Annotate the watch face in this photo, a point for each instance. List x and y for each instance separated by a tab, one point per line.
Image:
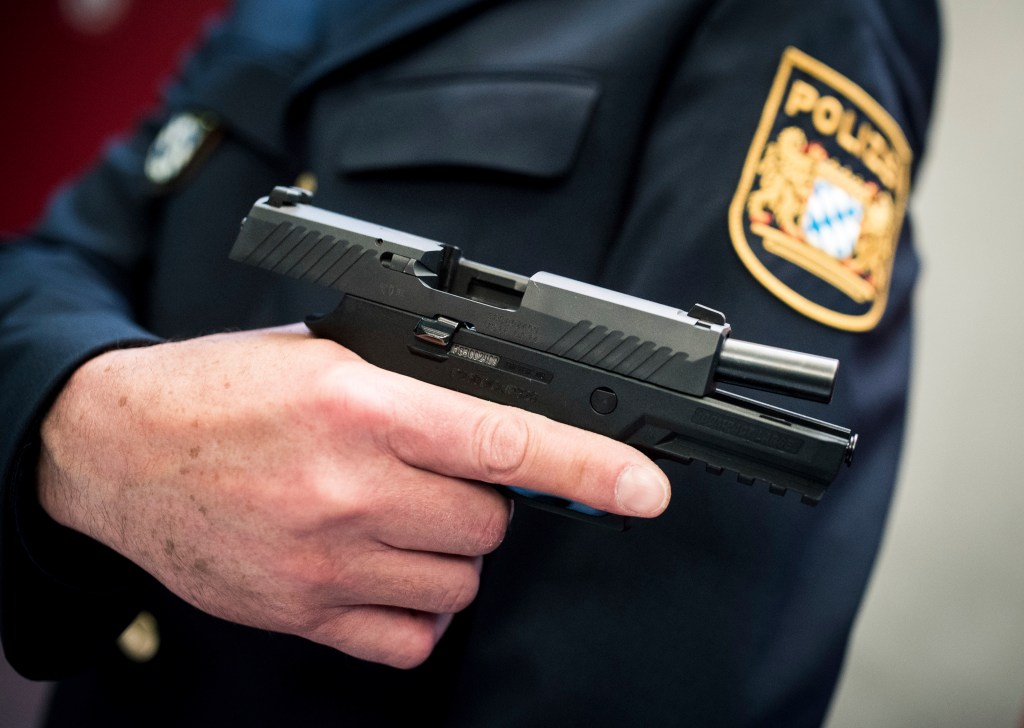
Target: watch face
177	145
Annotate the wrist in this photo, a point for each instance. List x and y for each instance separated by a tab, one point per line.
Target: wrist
68	446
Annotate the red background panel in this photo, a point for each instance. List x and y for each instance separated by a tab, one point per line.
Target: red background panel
72	74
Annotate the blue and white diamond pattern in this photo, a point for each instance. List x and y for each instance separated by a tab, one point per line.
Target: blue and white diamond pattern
832	220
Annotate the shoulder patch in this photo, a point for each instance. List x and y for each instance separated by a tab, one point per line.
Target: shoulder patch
184	140
820	203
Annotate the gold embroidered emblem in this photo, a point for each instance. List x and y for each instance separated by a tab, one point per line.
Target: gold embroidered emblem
820	204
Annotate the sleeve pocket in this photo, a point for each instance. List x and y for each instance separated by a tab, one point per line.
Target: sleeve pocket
526	126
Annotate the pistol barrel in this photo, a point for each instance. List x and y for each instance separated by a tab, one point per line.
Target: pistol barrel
777	370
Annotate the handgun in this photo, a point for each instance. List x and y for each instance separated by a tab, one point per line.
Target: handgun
640	372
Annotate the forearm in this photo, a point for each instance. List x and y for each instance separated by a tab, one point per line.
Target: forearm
63	300
48	327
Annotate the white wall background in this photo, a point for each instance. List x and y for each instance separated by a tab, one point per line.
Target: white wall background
940	641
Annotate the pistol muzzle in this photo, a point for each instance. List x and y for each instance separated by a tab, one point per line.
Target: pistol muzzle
777	370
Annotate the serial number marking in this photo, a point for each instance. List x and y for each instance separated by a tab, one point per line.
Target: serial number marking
747	430
487	359
506	390
475	355
524	333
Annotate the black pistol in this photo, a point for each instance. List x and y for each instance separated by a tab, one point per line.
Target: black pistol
637	371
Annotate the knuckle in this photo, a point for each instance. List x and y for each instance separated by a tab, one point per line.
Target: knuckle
460	594
401	640
343	392
304	623
316	501
293	612
368	408
311	576
336	396
417	645
501	444
490	532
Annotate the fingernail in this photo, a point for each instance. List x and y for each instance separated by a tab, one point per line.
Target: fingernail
641	490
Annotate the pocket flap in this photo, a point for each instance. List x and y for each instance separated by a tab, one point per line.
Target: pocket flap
521	125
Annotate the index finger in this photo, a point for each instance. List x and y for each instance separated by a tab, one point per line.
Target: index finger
466	437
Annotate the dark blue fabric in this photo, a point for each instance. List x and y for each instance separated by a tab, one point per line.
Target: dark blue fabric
732	609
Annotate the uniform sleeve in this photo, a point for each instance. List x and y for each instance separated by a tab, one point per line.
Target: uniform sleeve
67	293
778	120
77	286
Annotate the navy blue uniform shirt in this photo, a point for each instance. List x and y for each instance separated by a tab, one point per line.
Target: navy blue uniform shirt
754	157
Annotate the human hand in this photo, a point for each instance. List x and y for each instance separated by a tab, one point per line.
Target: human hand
279	481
